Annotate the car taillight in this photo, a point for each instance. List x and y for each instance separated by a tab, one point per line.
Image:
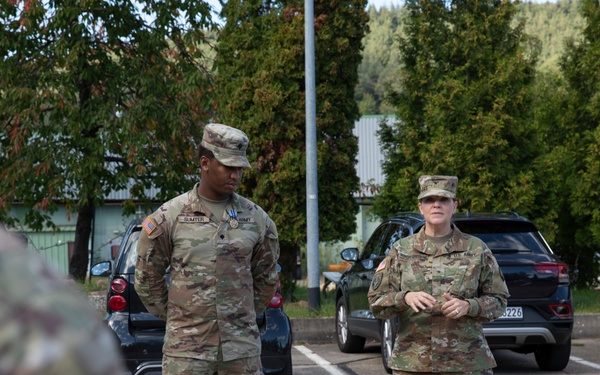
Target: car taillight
559	270
118	285
276	301
117	303
562	310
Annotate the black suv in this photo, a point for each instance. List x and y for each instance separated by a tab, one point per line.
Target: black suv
539	315
141	334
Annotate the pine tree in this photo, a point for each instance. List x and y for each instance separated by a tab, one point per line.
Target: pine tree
261	90
577	154
464	106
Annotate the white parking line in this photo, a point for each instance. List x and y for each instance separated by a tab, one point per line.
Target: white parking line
584	362
333	370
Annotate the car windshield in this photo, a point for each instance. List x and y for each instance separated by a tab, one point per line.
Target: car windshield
506	236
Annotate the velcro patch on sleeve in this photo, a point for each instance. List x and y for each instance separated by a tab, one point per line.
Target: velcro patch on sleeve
382	265
149	225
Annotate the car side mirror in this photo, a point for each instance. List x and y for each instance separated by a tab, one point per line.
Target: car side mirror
350	254
102	269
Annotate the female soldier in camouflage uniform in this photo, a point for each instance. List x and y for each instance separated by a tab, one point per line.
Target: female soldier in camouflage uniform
442	284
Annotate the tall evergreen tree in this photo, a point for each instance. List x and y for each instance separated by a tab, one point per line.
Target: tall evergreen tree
464	106
261	90
98	96
577	156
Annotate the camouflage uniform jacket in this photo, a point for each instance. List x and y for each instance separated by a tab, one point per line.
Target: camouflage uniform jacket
221	277
427	341
47	326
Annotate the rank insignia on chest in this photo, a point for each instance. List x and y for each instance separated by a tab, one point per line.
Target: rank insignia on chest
149	225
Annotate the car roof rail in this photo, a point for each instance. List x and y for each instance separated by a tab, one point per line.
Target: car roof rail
512	213
407	213
412	215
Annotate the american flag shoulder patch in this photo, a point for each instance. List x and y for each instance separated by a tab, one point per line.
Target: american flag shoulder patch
149	225
381	265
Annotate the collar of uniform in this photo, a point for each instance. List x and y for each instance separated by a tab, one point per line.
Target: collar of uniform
195	203
234	203
423	245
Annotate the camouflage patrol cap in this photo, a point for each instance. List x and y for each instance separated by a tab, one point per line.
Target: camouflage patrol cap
442	186
227	144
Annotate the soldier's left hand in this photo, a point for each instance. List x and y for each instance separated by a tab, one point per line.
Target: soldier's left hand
455	308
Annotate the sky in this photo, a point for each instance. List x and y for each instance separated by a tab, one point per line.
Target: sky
387	3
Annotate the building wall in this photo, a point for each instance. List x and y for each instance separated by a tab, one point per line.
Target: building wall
56	247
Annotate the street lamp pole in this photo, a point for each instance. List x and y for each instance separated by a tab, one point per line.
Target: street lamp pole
312	201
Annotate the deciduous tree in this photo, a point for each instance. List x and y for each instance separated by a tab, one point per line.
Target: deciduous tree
97	96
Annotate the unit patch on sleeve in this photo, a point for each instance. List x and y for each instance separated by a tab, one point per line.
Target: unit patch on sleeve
149	225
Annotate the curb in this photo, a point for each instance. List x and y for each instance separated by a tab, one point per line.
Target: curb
322	330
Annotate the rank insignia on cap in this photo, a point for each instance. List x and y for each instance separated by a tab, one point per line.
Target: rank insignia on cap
149	225
381	265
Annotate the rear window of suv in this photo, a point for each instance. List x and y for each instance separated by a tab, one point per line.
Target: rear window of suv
130	253
506	236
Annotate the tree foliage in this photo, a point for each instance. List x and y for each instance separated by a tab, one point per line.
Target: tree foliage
551	22
98	96
464	107
576	151
261	90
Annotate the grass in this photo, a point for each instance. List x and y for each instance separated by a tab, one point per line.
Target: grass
585	301
96	285
299	308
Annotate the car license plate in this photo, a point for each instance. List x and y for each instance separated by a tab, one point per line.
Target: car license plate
512	312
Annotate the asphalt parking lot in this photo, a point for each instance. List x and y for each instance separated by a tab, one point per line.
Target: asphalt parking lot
326	359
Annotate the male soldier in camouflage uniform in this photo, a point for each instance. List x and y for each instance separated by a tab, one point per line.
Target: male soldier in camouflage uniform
223	251
47	326
442	284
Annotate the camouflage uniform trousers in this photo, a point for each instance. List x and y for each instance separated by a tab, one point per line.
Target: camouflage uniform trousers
192	366
487	371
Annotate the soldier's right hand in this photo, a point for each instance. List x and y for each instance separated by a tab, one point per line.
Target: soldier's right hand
419	301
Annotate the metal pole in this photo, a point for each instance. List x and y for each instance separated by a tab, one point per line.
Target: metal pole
312	201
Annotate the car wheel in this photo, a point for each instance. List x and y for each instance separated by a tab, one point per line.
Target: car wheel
288	368
553	357
347	342
388	337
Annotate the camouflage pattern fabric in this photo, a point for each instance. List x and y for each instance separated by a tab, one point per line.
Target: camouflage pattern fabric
427	341
227	144
191	366
223	274
47	326
442	186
